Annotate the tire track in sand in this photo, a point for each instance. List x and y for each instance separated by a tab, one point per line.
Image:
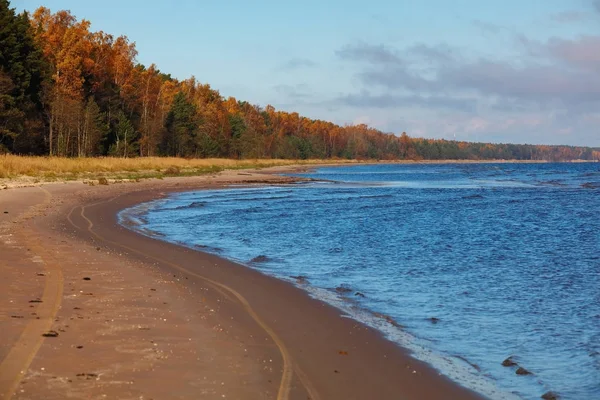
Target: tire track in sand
16	363
288	366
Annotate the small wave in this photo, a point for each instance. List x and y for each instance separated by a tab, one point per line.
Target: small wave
553	182
375	196
208	249
237	192
248	199
588	174
195	204
149	232
473	196
249	210
591	185
343	289
472	364
132	221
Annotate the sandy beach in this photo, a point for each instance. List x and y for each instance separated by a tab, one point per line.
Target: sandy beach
92	310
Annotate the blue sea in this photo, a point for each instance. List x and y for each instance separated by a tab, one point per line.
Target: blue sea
464	264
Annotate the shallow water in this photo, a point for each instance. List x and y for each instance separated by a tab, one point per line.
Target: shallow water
506	257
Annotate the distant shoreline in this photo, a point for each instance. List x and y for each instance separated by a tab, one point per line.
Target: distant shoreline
18	171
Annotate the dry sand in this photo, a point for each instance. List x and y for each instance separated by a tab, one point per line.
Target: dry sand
130	317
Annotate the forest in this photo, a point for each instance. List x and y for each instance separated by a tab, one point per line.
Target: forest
68	91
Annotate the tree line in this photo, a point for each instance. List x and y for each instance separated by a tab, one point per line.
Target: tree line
68	91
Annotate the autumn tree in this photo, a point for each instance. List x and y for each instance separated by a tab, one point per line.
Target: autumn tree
65	43
65	90
148	83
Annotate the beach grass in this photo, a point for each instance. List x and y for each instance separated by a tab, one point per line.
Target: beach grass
61	168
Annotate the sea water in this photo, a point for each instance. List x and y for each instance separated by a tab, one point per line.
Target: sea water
464	264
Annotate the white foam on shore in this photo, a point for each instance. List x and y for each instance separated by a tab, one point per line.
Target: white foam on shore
454	368
132	218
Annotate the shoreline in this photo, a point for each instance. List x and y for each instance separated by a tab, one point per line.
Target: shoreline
312	350
454	367
35	180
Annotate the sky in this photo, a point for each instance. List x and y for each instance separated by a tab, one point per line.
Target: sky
518	71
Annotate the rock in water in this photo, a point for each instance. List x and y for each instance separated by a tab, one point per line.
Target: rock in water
509	362
550	396
522	371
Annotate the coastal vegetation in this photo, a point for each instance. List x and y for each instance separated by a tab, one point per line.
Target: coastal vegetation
68	91
66	168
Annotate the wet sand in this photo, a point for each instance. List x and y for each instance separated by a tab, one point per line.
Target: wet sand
130	317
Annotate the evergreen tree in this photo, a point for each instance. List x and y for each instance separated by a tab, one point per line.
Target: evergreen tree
23	73
92	130
125	144
182	128
10	116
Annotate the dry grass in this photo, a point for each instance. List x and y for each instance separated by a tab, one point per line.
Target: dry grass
59	168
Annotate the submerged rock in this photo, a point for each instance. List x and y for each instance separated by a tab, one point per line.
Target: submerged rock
591	185
359	294
260	259
343	289
300	279
550	396
509	362
434	320
522	371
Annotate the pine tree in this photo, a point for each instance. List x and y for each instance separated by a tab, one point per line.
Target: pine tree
23	74
182	128
92	129
125	144
10	116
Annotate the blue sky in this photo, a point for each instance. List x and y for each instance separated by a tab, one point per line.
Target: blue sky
525	71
